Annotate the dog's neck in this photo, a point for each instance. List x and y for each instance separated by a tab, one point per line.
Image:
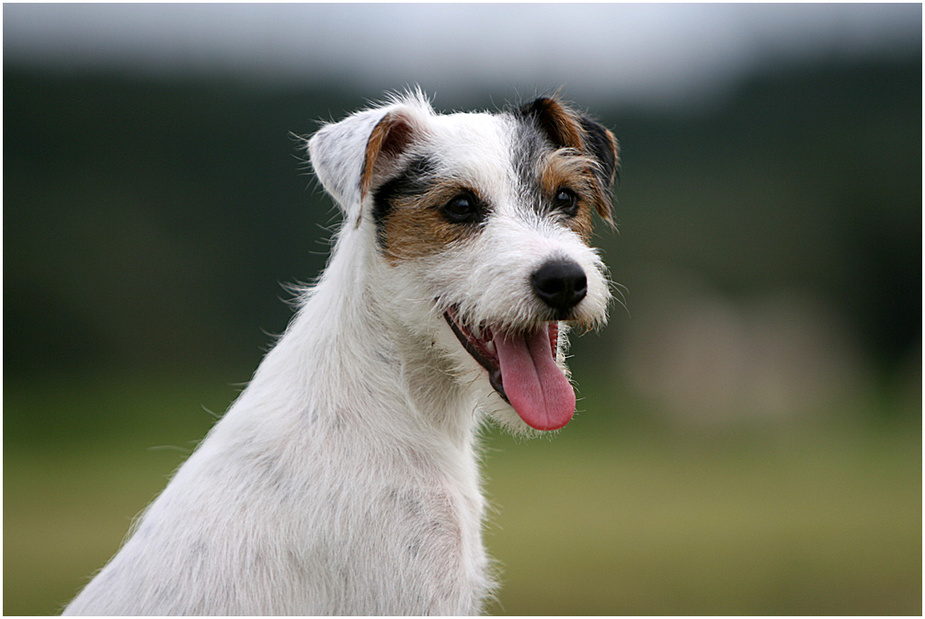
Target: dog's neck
348	342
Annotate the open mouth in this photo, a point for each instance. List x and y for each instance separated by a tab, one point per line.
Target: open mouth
522	368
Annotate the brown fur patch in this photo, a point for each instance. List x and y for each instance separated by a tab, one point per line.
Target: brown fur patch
567	129
560	123
415	226
567	168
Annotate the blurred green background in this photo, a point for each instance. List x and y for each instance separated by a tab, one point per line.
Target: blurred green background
749	429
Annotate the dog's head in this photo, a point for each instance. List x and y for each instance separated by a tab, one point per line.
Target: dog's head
482	225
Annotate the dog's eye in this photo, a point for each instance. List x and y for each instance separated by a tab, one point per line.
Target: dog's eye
463	208
566	201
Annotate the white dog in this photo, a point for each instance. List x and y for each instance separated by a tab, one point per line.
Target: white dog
344	479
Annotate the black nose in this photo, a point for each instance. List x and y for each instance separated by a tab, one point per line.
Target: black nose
561	284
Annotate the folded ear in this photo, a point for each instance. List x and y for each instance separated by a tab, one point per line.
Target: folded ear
348	156
565	128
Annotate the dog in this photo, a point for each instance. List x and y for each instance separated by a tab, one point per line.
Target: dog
344	479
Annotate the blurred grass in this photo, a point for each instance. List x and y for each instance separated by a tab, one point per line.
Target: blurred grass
811	524
598	520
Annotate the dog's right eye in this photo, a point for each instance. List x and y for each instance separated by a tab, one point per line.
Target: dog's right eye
463	208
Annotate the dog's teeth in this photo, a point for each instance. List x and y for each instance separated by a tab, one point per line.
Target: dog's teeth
490	347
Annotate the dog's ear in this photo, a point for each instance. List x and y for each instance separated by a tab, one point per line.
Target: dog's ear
603	146
565	128
348	155
391	137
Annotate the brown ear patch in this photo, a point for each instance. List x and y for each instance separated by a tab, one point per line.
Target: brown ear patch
559	123
390	137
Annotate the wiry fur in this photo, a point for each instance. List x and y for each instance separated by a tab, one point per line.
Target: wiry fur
344	479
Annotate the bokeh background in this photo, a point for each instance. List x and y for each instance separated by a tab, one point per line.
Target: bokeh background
749	434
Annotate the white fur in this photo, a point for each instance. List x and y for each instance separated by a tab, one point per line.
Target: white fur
344	479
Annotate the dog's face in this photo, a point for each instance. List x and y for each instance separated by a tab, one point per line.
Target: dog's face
482	225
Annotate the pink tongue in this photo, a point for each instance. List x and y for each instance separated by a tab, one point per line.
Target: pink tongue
535	386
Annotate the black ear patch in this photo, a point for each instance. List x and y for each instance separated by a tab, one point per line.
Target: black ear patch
599	141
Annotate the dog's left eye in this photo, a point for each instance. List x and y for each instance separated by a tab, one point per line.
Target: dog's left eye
566	201
464	208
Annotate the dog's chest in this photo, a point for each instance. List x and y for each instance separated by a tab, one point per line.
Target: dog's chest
393	531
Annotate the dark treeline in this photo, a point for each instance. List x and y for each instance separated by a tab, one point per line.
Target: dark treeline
150	223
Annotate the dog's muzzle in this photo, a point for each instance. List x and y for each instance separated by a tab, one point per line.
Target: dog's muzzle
521	365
